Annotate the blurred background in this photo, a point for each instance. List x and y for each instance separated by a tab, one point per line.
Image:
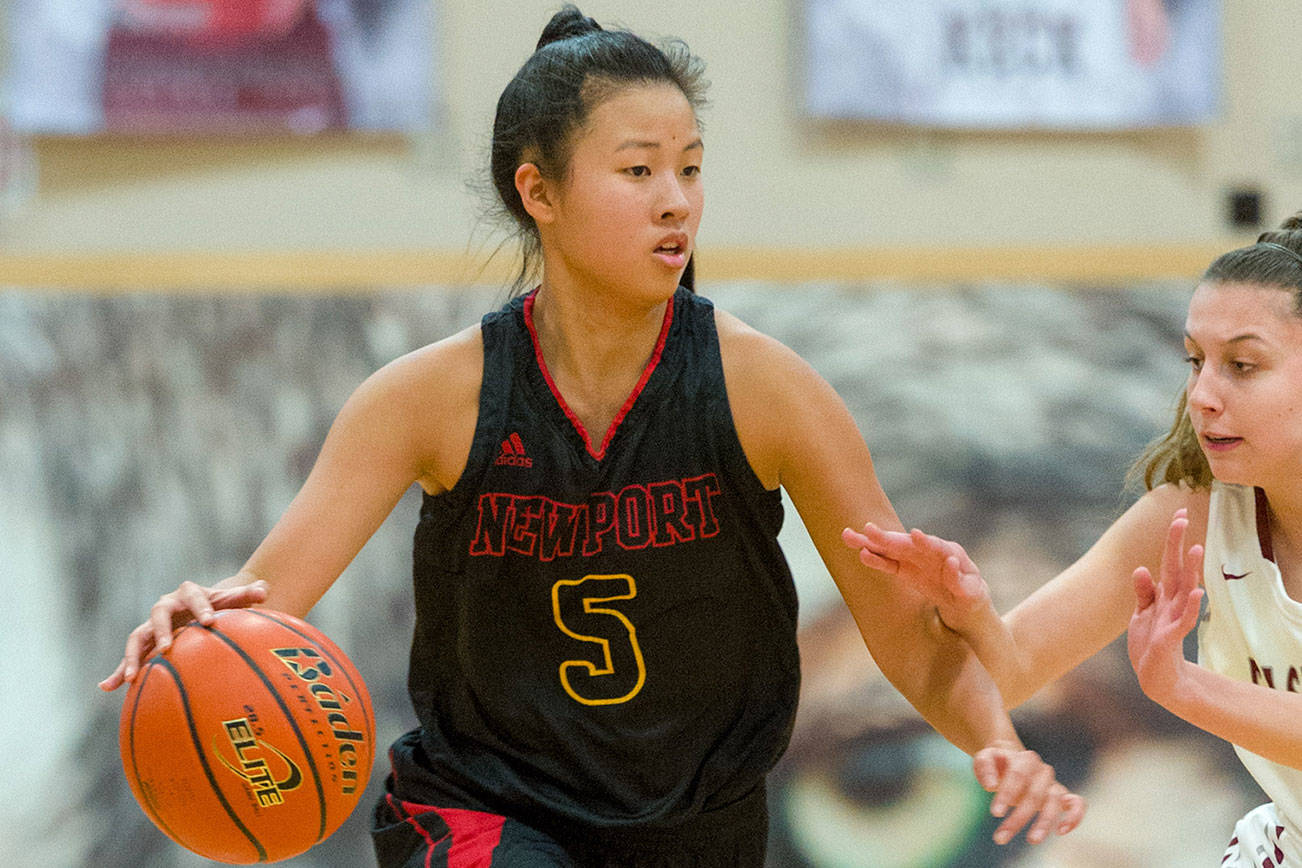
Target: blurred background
979	219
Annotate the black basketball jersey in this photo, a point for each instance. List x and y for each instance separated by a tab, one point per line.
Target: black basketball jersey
605	631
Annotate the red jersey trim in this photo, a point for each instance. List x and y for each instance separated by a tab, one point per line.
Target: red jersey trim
1263	525
632	398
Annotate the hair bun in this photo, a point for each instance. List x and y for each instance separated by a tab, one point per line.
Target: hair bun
567	24
1293	223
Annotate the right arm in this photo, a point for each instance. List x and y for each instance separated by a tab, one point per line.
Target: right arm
411	421
1061	624
777	400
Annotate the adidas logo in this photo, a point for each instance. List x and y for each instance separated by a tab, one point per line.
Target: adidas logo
513	452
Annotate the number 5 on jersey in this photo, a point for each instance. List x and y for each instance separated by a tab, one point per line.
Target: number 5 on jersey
582	611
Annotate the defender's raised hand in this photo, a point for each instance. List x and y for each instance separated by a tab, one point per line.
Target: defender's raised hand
940	569
1165	612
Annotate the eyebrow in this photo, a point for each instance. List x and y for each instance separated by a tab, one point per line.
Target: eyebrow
698	144
1250	336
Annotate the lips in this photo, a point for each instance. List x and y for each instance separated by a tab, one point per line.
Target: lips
1219	442
673	250
674	244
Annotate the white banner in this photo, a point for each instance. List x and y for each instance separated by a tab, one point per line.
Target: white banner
1048	64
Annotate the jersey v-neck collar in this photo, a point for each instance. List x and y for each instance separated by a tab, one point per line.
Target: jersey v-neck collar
599	453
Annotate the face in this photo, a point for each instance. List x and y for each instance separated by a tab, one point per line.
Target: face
623	221
1245	381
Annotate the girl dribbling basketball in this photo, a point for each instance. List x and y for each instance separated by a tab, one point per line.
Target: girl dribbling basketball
604	663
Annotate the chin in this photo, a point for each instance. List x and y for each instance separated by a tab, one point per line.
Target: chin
661	290
1231	474
640	293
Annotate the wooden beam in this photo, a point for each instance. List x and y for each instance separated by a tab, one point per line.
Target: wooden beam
361	270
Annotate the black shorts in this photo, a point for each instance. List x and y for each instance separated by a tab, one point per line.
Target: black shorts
408	835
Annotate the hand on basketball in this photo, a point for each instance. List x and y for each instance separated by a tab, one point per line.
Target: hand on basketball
1024	783
188	602
1165	613
938	568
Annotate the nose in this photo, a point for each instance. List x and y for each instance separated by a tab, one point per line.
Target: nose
1202	394
675	205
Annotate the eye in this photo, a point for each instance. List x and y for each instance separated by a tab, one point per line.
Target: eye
692	171
1194	362
886	799
902	797
1240	367
638	171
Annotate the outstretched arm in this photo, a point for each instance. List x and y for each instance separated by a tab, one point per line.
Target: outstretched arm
1063	622
1252	716
796	432
939	568
944	574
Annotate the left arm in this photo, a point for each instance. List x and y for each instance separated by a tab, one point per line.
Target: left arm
1254	717
797	433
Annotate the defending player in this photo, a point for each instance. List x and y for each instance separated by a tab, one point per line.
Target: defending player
1230	472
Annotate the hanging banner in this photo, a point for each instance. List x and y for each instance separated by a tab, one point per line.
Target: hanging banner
1014	64
219	66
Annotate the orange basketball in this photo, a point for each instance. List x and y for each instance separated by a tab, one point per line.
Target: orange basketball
250	740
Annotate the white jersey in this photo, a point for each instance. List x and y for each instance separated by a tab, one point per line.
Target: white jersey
1252	631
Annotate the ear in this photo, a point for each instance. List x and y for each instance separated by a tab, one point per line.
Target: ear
534	192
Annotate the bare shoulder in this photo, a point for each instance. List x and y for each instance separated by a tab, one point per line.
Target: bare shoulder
758	365
430	397
1158	506
776	397
1139	536
448	369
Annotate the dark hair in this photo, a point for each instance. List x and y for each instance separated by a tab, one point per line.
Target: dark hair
575	66
1177	456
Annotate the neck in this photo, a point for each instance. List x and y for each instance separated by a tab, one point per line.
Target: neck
596	356
590	338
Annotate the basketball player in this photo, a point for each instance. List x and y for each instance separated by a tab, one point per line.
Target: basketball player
1228	477
604	663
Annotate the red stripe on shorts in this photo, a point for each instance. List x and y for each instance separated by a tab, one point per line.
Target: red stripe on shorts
475	834
407	812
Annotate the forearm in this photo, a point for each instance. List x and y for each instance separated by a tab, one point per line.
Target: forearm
244	577
1260	719
280	595
995	644
284	592
956	695
1051	632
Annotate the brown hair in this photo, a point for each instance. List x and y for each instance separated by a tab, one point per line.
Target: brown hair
1177	457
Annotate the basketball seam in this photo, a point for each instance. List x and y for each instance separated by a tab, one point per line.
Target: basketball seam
366	717
151	806
289	718
207	770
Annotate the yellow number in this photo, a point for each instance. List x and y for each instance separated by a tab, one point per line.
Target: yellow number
621	667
